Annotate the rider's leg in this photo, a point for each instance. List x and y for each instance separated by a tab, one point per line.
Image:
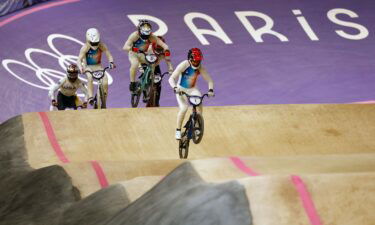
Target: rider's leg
70	102
89	84
158	93
105	86
158	86
64	102
60	101
134	63
78	101
183	105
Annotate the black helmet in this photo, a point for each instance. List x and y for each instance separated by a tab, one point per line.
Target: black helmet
72	72
144	29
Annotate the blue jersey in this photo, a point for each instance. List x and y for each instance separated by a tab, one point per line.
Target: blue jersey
94	57
142	44
189	77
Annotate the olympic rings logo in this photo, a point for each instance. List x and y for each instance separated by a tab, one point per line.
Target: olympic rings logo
48	77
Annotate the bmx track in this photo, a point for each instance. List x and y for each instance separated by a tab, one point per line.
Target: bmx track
265	164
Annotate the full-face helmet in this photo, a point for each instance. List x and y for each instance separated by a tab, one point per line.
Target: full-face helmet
144	29
195	57
93	38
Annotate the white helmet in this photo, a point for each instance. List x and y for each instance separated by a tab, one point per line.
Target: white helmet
93	37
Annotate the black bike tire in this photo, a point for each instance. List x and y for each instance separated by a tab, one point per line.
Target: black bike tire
148	88
198	120
135	97
152	96
183	147
95	101
102	98
135	100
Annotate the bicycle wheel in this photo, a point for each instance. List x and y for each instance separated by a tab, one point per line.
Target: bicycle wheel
151	96
147	91
184	146
198	128
102	98
96	102
145	96
135	97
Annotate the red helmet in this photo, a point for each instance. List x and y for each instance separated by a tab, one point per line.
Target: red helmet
195	56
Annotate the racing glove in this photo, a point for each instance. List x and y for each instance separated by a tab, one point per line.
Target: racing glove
176	90
112	65
54	103
211	93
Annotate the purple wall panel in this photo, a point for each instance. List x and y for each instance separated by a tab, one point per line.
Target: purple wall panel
331	63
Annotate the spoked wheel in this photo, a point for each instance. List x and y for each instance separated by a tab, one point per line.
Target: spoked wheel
102	98
198	128
152	96
136	96
184	147
147	92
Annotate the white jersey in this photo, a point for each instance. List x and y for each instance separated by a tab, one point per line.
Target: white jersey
67	88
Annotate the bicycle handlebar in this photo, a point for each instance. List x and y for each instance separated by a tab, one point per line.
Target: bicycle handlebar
97	74
193	96
165	73
96	70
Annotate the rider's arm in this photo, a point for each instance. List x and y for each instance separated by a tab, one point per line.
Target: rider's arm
170	66
176	73
104	48
81	62
84	90
155	39
133	37
169	63
54	88
207	77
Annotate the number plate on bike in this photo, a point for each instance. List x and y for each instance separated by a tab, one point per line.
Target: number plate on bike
151	58
98	74
195	100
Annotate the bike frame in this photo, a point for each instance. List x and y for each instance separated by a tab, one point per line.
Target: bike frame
146	79
189	123
99	86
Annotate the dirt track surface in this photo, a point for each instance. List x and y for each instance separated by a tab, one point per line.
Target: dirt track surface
121	164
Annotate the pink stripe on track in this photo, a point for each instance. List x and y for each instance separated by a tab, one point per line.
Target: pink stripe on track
52	137
365	102
100	174
60	154
241	165
307	202
304	195
35	9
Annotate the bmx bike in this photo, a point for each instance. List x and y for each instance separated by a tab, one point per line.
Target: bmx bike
100	98
194	127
